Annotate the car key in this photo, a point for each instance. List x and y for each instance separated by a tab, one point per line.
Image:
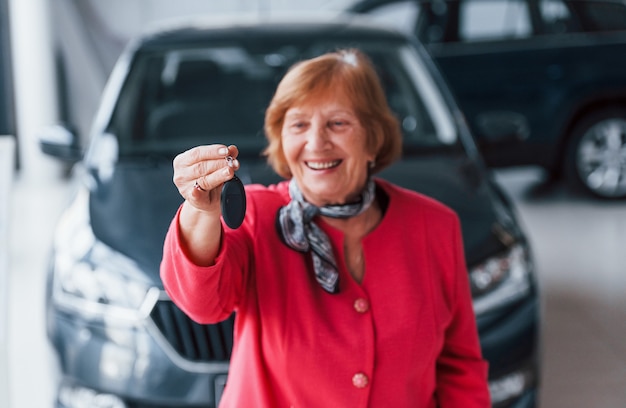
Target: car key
233	200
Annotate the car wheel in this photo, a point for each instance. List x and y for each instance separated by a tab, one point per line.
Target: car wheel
596	156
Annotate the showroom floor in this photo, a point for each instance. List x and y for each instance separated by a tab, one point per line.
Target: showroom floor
579	245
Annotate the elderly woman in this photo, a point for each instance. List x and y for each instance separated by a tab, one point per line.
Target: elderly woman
349	291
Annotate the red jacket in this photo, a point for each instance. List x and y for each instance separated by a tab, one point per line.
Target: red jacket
404	337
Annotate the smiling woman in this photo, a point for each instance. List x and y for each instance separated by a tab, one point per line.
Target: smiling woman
320	262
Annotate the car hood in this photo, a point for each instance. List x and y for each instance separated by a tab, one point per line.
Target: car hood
487	218
131	210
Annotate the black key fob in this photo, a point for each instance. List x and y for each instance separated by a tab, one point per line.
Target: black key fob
233	202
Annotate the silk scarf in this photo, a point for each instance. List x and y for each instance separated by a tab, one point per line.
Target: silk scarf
298	230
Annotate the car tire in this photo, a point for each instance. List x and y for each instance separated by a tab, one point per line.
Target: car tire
595	161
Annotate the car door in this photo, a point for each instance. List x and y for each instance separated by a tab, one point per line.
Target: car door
503	75
488	54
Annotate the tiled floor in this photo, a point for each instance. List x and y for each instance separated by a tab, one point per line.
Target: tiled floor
580	248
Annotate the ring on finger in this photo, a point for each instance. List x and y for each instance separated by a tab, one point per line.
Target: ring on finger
197	186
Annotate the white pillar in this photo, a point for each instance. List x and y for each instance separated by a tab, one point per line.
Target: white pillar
35	107
7	154
35	93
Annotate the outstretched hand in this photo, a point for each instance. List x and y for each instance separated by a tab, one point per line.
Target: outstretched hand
200	173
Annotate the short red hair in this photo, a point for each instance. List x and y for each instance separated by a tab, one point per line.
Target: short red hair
350	74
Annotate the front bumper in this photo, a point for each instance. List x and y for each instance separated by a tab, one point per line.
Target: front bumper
127	364
138	364
510	340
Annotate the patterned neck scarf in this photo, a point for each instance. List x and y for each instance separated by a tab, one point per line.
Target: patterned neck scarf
298	231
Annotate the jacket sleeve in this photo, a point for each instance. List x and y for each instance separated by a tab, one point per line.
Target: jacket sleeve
206	294
461	370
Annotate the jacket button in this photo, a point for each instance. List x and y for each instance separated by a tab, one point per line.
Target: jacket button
361	305
360	380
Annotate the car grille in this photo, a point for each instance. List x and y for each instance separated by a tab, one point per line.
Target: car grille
193	341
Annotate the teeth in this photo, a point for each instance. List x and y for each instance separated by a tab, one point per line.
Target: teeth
322	166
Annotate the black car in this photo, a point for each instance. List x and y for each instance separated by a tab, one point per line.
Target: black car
541	82
118	337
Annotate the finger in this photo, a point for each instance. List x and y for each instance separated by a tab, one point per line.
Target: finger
233	151
204	200
215	179
201	153
198	186
187	171
231	159
205	159
200	193
204	168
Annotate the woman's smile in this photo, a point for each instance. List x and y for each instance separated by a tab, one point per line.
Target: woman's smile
322	165
325	148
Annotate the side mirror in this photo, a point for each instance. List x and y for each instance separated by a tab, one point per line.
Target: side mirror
502	127
61	142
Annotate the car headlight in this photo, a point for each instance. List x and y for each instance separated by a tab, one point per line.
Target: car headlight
501	279
91	278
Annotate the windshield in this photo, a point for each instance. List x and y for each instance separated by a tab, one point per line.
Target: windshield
174	99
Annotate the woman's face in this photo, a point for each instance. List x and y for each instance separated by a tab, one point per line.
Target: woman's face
325	147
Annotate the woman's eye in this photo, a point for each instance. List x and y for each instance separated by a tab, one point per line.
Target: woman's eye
338	123
297	125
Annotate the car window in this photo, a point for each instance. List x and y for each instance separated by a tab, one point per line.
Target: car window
558	18
428	21
605	16
177	99
402	15
438	21
415	117
494	20
561	17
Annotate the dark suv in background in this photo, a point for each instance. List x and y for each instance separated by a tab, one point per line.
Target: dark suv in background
541	82
120	341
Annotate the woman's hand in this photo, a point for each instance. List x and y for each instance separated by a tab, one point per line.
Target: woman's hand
199	174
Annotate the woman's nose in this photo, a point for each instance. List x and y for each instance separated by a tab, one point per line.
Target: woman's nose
318	136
